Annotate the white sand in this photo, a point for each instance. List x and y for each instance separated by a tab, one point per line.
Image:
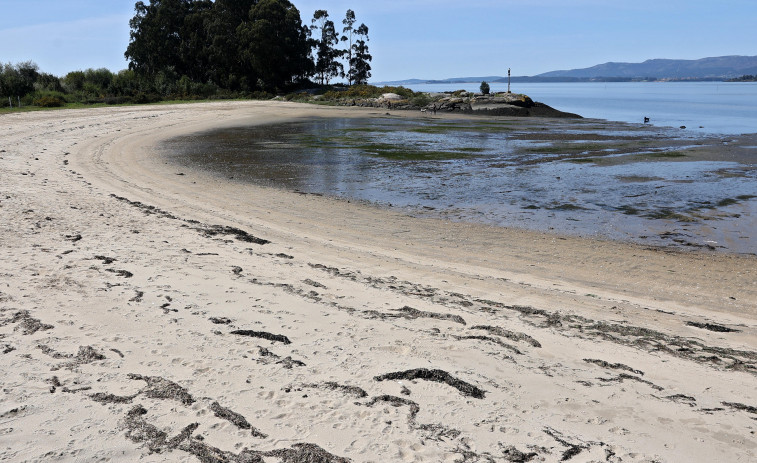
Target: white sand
333	281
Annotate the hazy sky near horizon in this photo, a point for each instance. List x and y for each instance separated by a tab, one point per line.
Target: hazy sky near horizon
426	39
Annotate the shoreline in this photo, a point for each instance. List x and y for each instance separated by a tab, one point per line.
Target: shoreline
159	272
696	226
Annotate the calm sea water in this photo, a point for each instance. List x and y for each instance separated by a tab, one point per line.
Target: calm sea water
708	107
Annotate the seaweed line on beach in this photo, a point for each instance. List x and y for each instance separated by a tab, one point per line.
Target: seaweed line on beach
433	431
140	430
726	359
206	230
262	335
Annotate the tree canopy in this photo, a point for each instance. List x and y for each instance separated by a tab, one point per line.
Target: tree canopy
189	49
242	44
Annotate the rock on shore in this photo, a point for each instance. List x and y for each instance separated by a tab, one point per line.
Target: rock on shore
500	104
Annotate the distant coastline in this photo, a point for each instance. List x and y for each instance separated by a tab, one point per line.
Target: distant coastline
538	79
715	69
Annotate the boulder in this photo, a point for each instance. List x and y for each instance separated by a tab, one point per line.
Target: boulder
391	97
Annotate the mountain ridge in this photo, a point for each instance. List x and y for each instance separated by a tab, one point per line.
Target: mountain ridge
656	69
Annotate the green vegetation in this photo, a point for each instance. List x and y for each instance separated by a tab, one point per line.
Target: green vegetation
666	154
485	89
203	49
668	214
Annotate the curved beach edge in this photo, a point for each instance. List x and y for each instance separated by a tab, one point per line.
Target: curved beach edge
147	311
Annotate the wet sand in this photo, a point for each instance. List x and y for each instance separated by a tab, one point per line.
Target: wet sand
149	313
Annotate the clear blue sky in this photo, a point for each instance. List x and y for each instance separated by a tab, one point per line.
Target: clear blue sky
425	38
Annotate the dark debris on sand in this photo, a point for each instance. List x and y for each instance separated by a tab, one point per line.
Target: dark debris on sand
267	357
240	235
263	335
614	366
209	231
742	407
121	273
433	431
513	455
625	376
412	314
492	340
511	335
235	418
105	398
712	327
26	323
439	376
354	391
161	388
139	430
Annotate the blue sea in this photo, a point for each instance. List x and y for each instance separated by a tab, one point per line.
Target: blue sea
707	107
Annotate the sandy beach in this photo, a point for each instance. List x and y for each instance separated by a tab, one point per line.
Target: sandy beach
152	313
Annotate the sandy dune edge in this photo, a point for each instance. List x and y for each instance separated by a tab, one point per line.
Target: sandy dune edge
143	319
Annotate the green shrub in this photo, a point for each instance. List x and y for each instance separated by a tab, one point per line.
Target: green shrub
366	91
144	98
45	99
484	88
48	101
421	100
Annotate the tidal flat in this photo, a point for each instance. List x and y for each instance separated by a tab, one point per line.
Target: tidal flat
638	183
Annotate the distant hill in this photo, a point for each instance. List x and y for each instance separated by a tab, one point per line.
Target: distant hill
723	67
716	68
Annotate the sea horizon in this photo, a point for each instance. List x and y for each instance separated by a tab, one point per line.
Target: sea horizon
728	108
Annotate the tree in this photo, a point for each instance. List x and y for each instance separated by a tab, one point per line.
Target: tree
18	80
360	67
155	38
484	88
227	67
194	52
326	64
276	44
349	31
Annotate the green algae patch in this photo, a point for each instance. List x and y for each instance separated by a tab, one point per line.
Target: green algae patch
567	207
666	154
628	210
668	214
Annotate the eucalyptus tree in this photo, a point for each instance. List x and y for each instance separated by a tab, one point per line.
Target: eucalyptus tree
227	67
155	38
276	44
360	58
349	35
326	64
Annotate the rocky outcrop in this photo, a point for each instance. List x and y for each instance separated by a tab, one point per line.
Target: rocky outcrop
500	104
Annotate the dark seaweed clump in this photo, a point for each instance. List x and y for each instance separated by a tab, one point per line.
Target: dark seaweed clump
439	376
161	388
263	335
713	327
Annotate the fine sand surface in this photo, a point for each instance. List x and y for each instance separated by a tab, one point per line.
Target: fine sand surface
154	314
